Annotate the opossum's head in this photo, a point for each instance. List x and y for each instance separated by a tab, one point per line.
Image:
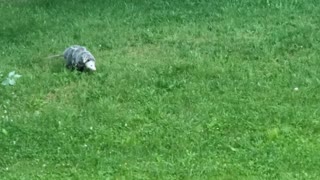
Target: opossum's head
91	65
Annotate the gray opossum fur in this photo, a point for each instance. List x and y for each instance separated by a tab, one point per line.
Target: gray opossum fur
77	57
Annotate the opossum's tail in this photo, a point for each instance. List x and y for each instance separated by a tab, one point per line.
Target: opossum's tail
55	56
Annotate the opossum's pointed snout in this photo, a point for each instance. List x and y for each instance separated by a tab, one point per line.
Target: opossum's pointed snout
92	68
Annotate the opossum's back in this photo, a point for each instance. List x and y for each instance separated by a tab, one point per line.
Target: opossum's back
76	55
68	53
84	56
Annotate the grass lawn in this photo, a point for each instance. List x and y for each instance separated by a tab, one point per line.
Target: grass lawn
194	89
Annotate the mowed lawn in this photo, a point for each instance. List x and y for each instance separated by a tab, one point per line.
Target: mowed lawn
194	89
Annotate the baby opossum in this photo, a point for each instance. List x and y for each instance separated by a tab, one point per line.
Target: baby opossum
78	57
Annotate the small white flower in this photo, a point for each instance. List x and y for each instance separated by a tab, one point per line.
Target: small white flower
91	128
37	113
296	89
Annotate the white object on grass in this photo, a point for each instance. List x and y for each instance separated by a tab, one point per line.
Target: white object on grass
11	79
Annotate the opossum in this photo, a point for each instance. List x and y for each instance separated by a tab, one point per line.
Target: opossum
78	57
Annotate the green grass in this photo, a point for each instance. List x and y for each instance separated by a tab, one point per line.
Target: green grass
183	90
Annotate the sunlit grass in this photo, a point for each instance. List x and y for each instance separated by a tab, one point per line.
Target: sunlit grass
183	89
